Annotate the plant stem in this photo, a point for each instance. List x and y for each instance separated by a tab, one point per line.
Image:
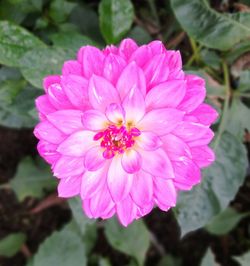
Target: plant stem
225	106
196	53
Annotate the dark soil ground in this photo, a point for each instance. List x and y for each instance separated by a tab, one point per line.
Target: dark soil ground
16	217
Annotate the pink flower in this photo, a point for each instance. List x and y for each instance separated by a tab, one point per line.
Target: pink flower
125	128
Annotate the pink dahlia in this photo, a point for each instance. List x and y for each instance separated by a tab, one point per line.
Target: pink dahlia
125	129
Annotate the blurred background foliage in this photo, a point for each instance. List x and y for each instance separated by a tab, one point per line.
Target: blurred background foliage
210	225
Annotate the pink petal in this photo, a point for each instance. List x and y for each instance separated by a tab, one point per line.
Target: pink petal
195	93
141	55
67	121
127	47
187	174
157	163
126	211
46	131
142	189
115	113
203	156
44	106
146	209
92	182
148	141
166	94
86	208
110	49
157	47
49	80
68	166
134	106
91	59
174	61
77	144
205	139
161	121
205	114
175	147
119	182
102	93
94	159
94	120
189	131
164	193
72	67
131	161
156	70
58	98
113	66
48	151
101	203
76	89
132	76
69	187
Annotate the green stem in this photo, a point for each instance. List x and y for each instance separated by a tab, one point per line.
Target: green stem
196	53
225	106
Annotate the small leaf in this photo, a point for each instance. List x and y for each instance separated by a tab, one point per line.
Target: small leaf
225	221
31	179
140	35
40	62
15	41
116	17
219	186
169	260
209	27
133	240
60	9
11	244
209	259
243	259
244	81
64	248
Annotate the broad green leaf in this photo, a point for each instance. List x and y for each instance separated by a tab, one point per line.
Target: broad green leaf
11	244
133	240
211	58
219	186
32	178
238	50
209	259
140	35
116	17
86	226
225	221
244	81
64	248
41	62
209	27
60	9
238	118
15	41
70	40
243	259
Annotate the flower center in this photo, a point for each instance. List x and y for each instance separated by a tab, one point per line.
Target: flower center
116	139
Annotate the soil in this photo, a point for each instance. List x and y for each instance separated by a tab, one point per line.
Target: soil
16	217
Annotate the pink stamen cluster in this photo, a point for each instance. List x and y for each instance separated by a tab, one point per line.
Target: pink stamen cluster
116	139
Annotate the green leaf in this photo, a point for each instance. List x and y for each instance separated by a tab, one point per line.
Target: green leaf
60	9
15	41
11	244
31	179
219	186
133	240
212	29
41	62
86	226
209	259
238	118
116	17
243	259
238	50
211	58
169	260
64	248
244	81
140	35
225	221
70	40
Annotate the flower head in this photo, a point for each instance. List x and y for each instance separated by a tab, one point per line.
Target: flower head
125	128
